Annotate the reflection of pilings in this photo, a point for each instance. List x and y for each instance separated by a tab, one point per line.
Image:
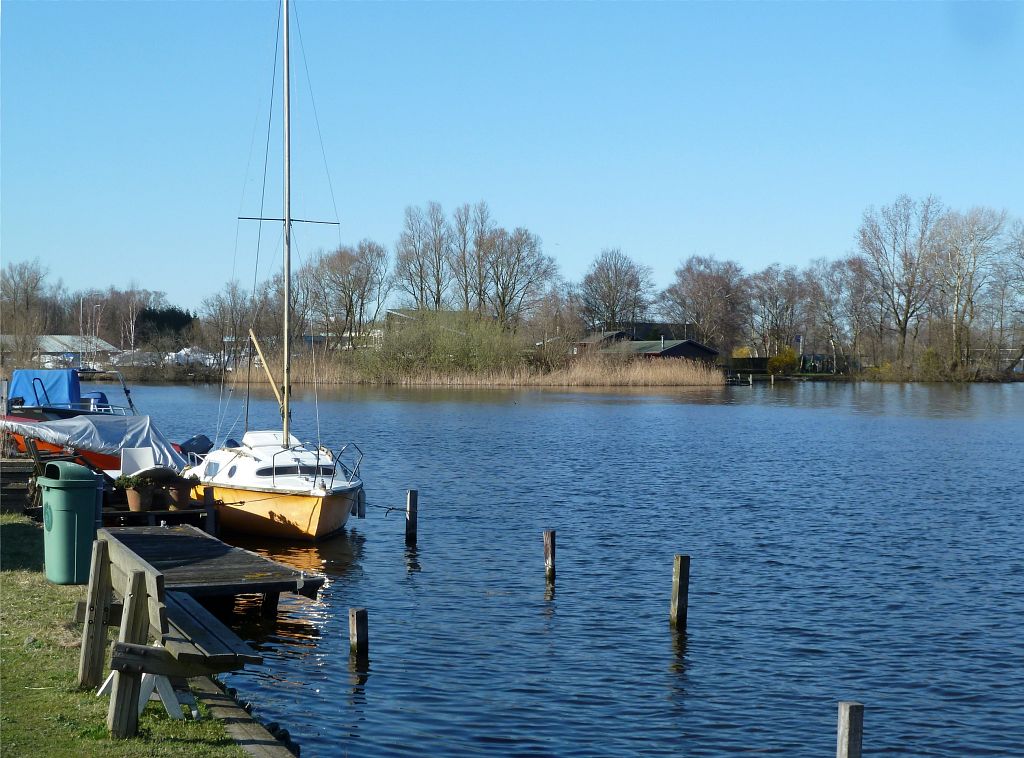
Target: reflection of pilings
678	654
359	674
412	562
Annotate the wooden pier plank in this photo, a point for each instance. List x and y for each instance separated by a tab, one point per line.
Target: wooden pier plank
195	562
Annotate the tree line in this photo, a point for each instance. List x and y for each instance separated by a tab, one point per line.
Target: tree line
927	291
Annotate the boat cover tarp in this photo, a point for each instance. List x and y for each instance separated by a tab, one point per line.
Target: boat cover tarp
102	434
57	387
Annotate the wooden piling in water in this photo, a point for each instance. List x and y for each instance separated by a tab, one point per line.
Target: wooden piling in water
358	632
411	516
680	592
549	555
850	731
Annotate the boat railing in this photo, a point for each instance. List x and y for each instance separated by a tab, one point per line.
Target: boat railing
323	456
354	471
82	407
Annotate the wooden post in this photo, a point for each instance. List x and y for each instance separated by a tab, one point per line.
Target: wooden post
773	380
268	609
211	511
850	732
750	378
549	555
680	593
411	509
358	632
97	606
123	714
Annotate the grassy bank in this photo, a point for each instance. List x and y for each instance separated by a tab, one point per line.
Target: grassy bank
41	711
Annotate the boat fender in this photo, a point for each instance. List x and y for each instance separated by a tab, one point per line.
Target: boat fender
361	504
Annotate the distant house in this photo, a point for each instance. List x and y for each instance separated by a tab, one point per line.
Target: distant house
656	330
663	349
66	350
597	341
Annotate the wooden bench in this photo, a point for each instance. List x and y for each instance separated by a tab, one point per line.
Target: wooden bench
163	634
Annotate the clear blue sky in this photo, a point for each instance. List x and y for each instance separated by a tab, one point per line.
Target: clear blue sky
753	132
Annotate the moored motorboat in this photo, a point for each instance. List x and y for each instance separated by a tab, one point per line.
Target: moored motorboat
48	394
99	439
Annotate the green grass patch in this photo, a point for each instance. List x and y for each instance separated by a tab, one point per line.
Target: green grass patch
42	713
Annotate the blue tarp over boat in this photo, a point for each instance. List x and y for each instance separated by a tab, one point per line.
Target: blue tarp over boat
49	387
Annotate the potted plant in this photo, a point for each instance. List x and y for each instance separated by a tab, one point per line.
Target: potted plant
181	490
138	489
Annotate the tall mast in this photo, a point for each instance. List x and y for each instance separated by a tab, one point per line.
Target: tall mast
287	227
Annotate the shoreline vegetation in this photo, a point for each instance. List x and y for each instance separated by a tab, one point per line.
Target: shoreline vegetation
42	712
590	371
931	293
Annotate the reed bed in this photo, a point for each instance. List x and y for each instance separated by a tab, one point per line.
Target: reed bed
597	371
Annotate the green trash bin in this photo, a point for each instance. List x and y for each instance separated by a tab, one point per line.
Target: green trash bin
70	495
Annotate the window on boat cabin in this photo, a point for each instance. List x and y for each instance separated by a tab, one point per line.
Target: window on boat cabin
212	468
306	470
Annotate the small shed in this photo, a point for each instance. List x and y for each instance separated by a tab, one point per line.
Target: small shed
598	341
664	349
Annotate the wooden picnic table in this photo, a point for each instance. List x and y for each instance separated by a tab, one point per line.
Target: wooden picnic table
155	572
192	561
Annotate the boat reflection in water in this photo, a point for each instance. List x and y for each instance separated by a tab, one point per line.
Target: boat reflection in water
296	628
332	557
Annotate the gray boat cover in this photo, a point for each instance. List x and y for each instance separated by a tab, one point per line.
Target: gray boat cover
102	434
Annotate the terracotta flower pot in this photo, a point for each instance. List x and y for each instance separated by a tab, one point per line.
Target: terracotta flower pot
181	495
139	499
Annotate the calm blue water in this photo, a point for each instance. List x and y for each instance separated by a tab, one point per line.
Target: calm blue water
848	542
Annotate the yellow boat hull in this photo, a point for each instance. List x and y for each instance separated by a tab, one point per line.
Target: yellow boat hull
281	516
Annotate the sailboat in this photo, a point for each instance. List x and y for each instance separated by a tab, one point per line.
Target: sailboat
271	484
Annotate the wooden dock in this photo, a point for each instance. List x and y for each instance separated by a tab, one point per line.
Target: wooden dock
194	562
14	478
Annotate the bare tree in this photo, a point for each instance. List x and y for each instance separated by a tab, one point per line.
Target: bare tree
461	250
226	317
520	275
23	295
901	242
615	290
776	296
824	288
437	250
711	295
412	271
372	283
483	229
970	244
